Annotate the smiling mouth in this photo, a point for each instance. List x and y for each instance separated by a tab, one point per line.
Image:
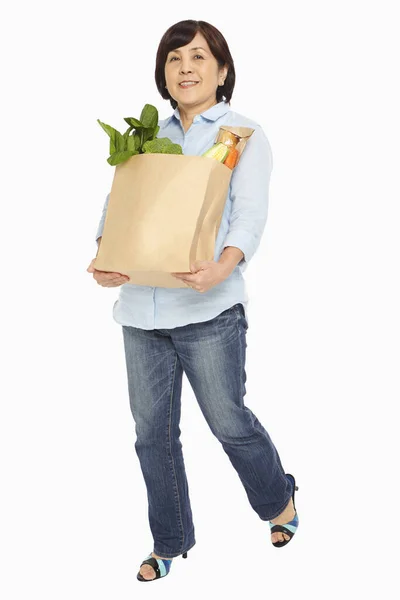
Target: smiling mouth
188	85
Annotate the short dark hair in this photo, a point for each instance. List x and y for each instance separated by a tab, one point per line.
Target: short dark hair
181	34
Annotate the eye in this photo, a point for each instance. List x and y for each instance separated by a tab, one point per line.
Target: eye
195	56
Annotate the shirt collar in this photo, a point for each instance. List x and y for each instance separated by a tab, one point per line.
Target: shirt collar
212	114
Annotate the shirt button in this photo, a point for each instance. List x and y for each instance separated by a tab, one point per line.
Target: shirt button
196	119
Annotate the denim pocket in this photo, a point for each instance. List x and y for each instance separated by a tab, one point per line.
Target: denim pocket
239	309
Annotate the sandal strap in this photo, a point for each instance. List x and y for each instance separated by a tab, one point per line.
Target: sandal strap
288	528
282	529
161	566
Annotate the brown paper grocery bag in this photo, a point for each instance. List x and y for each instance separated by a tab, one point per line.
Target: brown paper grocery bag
164	213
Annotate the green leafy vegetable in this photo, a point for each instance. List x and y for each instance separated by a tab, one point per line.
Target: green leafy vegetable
149	116
119	142
111	132
133	122
119	157
130	145
142	140
126	134
163	146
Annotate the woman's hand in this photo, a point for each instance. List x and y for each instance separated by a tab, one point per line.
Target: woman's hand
204	275
107	278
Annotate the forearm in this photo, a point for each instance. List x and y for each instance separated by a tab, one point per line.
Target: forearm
98	244
230	257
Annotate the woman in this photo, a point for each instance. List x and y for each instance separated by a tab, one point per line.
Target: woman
200	330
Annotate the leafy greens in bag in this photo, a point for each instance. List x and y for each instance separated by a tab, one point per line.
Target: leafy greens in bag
142	140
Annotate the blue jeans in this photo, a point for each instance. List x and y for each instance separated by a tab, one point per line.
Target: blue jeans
212	354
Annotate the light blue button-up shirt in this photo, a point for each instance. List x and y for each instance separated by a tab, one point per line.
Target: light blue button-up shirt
242	224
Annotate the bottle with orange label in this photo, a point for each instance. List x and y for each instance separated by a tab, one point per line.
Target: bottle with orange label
224	149
230	140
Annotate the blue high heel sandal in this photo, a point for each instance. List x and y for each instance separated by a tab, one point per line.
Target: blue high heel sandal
161	566
288	528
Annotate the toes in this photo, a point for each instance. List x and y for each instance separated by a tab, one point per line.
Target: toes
147	572
279	537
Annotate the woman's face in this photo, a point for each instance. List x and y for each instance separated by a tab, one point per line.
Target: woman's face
193	62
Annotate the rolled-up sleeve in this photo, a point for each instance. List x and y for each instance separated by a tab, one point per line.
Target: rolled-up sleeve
250	196
103	218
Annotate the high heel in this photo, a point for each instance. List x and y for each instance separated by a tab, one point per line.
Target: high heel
288	528
161	566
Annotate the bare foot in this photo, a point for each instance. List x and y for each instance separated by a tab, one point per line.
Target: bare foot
286	516
147	571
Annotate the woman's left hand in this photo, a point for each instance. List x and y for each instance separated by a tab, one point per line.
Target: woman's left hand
204	275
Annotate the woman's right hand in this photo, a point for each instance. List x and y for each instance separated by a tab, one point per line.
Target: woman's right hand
107	278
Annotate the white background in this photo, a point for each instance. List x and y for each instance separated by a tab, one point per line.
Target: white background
323	342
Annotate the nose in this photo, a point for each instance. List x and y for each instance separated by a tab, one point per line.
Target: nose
185	66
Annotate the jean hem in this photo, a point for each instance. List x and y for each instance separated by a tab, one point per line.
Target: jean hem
174	555
278	512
